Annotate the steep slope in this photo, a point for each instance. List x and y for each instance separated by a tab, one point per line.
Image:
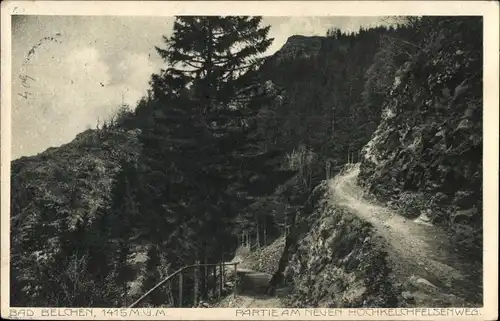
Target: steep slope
57	194
337	261
156	205
320	108
266	259
354	252
423	165
425	157
415	247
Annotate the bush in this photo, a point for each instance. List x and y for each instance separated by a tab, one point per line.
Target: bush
411	204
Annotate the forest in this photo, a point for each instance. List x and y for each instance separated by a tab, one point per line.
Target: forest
228	141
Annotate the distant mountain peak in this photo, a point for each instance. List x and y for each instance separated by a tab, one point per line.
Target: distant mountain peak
300	46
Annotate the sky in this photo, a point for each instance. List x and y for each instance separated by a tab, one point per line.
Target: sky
71	72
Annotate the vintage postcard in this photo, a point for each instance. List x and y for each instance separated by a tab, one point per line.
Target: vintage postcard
249	160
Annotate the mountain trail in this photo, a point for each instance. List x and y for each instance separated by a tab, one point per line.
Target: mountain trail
251	291
416	248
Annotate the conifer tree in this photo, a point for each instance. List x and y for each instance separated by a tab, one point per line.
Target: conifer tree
199	150
214	56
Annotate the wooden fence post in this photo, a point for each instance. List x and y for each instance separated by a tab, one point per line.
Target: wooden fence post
223	274
220	279
214	289
170	294
180	289
235	278
196	276
205	278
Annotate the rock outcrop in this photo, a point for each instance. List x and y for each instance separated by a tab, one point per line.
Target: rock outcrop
426	155
266	259
338	262
299	47
349	252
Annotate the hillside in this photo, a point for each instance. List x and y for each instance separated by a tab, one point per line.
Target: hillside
416	190
425	157
351	162
55	194
353	252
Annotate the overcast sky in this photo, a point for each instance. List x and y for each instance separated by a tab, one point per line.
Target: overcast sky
70	71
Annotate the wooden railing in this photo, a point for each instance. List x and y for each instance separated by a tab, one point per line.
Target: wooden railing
219	280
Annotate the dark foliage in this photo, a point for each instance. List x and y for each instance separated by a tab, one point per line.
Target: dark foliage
226	141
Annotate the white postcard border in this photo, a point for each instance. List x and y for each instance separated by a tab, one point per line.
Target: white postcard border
488	9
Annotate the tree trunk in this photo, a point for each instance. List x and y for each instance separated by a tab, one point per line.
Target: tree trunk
286	225
214	289
180	289
196	276
209	67
333	121
257	228
235	279
265	231
290	240
170	295
205	274
278	276
220	279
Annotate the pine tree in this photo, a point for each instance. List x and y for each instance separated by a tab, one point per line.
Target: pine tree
202	145
215	55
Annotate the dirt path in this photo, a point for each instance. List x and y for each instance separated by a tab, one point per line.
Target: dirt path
415	247
251	291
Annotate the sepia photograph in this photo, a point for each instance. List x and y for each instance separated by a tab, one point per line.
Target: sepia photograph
245	161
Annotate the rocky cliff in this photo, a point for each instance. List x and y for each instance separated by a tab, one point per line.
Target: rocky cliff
350	251
407	229
299	47
425	157
337	262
